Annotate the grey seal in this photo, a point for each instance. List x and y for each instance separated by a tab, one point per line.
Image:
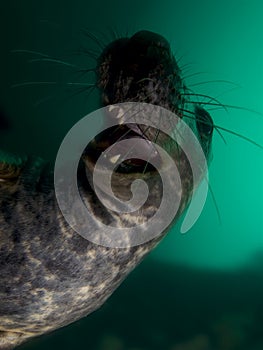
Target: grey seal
50	275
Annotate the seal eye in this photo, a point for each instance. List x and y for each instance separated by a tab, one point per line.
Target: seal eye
204	122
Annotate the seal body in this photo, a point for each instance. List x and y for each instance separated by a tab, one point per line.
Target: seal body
51	276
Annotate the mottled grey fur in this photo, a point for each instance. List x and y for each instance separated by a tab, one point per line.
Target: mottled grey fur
49	275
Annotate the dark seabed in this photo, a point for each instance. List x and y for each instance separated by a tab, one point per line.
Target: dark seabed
198	291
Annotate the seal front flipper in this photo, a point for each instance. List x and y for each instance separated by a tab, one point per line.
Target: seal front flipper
9	340
9	172
11	166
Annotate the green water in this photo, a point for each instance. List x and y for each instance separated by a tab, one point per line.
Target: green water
198	291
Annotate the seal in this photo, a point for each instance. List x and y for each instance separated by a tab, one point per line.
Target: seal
50	275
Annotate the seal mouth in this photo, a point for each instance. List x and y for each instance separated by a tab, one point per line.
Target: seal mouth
109	139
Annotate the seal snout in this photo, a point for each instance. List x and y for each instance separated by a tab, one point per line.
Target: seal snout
145	39
151	48
141	68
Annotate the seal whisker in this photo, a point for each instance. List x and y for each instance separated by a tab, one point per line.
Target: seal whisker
228	106
221	135
88	52
213	82
157	133
193	75
114	33
145	79
186	66
203	121
93	37
224	92
221	128
86	70
77	92
34	83
53	60
44	57
38	53
214	200
44	99
179	58
196	118
206	96
48	58
239	135
81	73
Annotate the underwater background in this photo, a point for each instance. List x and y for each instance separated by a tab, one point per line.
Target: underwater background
199	291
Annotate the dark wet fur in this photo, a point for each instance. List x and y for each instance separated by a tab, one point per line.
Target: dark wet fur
50	275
